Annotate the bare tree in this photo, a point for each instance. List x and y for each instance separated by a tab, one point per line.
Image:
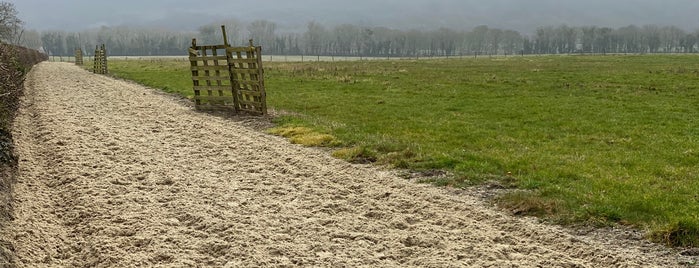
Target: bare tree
545	39
385	41
10	24
262	32
588	38
688	42
210	34
31	39
314	37
494	38
566	39
630	38
478	39
511	42
603	39
671	38
414	42
54	43
651	40
346	39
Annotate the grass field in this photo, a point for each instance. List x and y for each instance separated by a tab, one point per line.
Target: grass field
592	139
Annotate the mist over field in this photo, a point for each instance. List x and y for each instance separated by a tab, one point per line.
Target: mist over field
520	15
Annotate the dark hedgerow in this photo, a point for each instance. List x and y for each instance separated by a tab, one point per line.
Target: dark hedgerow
15	62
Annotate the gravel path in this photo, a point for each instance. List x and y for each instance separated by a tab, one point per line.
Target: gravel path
113	174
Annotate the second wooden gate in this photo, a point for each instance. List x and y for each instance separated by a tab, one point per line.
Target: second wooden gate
245	65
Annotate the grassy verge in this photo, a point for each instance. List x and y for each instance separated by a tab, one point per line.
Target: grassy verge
605	139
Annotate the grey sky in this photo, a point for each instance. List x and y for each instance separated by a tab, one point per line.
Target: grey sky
522	15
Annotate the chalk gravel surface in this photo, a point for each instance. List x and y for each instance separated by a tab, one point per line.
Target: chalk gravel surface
113	174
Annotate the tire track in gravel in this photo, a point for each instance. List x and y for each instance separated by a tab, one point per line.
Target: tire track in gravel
113	174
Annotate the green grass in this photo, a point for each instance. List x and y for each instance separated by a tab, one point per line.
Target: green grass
594	139
168	75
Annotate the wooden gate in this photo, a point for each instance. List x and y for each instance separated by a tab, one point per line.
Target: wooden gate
213	89
79	57
228	78
245	64
100	62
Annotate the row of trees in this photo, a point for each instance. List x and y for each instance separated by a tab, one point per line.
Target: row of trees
122	41
354	40
629	39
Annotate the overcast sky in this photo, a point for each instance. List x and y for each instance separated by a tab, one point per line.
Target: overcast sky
522	15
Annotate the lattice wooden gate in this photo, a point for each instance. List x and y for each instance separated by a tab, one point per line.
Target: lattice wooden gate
245	65
78	56
228	78
100	62
213	89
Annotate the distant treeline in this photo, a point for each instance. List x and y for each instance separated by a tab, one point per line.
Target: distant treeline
354	40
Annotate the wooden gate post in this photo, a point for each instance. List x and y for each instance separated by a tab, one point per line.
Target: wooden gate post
193	54
225	36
